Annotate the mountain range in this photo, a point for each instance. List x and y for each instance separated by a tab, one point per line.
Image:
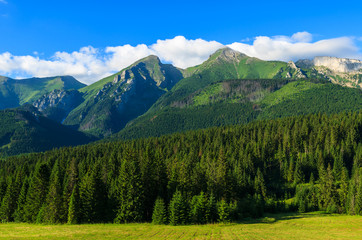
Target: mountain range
150	98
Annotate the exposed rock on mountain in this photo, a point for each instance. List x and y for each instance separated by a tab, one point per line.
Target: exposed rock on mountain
58	103
344	65
342	71
14	93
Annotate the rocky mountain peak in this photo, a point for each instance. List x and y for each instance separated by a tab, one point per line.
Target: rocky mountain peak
343	65
338	64
228	54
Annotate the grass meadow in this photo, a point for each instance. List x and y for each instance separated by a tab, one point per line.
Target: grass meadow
286	226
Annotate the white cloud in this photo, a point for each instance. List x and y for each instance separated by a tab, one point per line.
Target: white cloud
285	49
3	1
122	56
302	37
184	53
90	64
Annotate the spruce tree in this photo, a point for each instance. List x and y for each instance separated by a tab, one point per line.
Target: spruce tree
71	179
92	197
3	187
159	215
130	191
338	166
73	211
358	204
198	209
343	193
37	193
8	204
259	184
211	210
87	191
178	209
19	212
53	204
9	201
223	211
298	174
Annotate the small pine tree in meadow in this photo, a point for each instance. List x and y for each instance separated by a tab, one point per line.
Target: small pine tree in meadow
198	209
178	209
223	211
159	215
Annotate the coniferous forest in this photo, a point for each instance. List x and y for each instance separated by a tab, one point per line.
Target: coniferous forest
222	174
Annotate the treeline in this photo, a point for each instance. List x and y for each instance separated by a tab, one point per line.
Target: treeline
222	174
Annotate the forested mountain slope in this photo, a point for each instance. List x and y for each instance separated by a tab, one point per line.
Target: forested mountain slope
302	163
25	130
241	101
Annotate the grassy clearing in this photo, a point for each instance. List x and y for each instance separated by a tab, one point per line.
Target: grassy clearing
289	92
292	226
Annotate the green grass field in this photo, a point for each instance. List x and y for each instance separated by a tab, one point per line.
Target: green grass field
291	226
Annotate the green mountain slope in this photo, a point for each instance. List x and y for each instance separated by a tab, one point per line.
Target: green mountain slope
24	130
112	102
226	64
208	95
14	93
241	101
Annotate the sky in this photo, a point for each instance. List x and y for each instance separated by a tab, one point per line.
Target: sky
93	39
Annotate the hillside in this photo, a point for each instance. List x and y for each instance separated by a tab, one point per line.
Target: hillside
25	130
14	93
232	88
226	64
221	174
110	103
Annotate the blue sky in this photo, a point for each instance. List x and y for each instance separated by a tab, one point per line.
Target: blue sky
49	30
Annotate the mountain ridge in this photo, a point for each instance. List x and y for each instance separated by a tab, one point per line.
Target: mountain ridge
14	93
123	96
148	87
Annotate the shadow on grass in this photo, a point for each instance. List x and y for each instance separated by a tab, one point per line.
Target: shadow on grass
270	218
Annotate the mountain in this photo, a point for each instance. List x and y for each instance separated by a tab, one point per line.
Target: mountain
111	102
342	71
229	88
14	93
227	64
151	98
24	130
58	104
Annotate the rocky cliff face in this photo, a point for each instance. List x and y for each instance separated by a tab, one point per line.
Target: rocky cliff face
339	64
342	71
344	65
58	103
